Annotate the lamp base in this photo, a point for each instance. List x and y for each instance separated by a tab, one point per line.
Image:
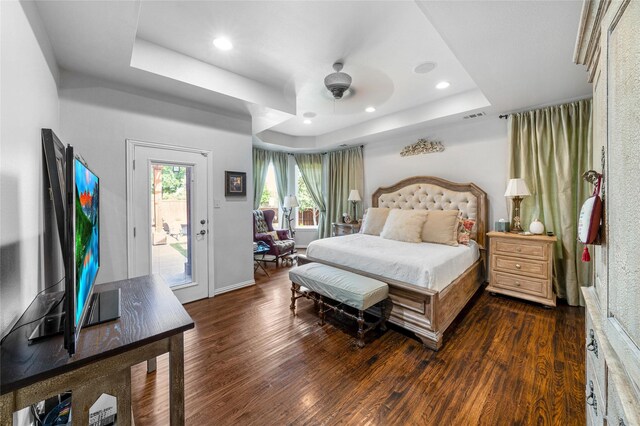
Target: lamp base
516	225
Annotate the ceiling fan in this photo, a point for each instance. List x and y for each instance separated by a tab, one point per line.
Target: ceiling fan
338	82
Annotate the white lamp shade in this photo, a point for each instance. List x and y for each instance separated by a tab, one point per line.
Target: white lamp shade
354	195
290	201
517	188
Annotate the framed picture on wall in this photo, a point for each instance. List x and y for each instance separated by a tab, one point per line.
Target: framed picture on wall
235	184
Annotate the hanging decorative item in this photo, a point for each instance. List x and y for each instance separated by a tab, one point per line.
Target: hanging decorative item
423	146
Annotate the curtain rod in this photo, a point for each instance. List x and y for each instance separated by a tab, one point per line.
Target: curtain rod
535	108
326	152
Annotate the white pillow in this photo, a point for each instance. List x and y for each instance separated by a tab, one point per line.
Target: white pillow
374	220
404	225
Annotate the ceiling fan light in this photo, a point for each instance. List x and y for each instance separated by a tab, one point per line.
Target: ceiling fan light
338	82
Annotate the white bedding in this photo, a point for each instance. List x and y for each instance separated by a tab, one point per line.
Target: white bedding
433	266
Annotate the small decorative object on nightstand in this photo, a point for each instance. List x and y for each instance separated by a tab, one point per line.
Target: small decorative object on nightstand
522	266
338	229
536	227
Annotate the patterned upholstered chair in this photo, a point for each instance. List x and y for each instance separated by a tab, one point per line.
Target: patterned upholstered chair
262	224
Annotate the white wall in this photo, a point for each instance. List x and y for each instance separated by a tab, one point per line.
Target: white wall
28	102
97	117
474	152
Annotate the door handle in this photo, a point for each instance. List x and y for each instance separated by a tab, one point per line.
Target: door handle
203	232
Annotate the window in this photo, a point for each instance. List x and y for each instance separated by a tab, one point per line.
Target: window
308	213
269	200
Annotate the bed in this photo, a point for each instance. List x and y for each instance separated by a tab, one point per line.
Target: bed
427	294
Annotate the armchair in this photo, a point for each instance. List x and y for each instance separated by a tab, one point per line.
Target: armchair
262	224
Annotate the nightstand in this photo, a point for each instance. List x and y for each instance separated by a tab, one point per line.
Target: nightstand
522	266
338	228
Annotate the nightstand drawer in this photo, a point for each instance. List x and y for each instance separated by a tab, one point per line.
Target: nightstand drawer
519	266
531	250
520	284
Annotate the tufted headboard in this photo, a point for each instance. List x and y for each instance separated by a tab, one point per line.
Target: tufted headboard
432	193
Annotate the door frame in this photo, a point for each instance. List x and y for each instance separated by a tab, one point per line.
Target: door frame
130	147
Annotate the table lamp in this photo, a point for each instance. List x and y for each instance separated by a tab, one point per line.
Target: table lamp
516	190
354	197
290	202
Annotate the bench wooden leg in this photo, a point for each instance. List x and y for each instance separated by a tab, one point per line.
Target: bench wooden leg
383	316
293	298
360	341
385	312
321	308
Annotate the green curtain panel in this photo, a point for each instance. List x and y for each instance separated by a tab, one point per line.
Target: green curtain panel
310	166
261	159
280	162
346	172
550	148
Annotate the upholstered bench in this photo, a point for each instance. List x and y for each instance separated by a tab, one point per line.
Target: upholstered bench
316	281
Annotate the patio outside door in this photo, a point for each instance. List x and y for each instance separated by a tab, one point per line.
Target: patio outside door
168	217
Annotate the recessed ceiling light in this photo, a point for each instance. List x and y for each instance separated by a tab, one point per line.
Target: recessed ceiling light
370	109
223	43
443	85
307	121
425	67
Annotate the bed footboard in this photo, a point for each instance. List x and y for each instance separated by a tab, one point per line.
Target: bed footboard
428	314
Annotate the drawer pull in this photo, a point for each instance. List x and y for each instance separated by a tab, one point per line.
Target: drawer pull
593	344
518	266
591	398
620	421
518	249
518	283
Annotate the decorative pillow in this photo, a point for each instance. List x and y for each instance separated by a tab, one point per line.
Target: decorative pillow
374	220
441	227
404	225
274	234
364	216
465	227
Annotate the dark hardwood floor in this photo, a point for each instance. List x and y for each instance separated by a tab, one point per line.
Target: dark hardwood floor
249	361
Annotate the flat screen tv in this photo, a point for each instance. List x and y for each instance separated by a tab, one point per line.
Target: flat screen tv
75	192
83	241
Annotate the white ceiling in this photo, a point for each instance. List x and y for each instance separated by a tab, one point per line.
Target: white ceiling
498	56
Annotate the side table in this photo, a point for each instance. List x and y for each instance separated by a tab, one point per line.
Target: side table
339	228
259	260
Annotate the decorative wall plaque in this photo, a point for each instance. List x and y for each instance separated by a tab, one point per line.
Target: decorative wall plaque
423	146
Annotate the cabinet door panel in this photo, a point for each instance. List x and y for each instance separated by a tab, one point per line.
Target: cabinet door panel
624	169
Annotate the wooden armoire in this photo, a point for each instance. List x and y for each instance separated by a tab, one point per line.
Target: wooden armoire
609	45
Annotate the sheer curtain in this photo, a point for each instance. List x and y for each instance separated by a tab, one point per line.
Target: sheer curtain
261	160
550	148
346	172
310	166
280	162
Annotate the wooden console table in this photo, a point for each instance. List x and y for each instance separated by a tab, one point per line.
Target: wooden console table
152	322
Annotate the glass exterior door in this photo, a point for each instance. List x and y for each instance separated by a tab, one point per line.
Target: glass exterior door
169	216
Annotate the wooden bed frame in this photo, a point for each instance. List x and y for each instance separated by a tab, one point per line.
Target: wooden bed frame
425	312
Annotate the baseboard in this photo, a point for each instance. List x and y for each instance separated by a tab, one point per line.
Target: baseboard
233	287
304	247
